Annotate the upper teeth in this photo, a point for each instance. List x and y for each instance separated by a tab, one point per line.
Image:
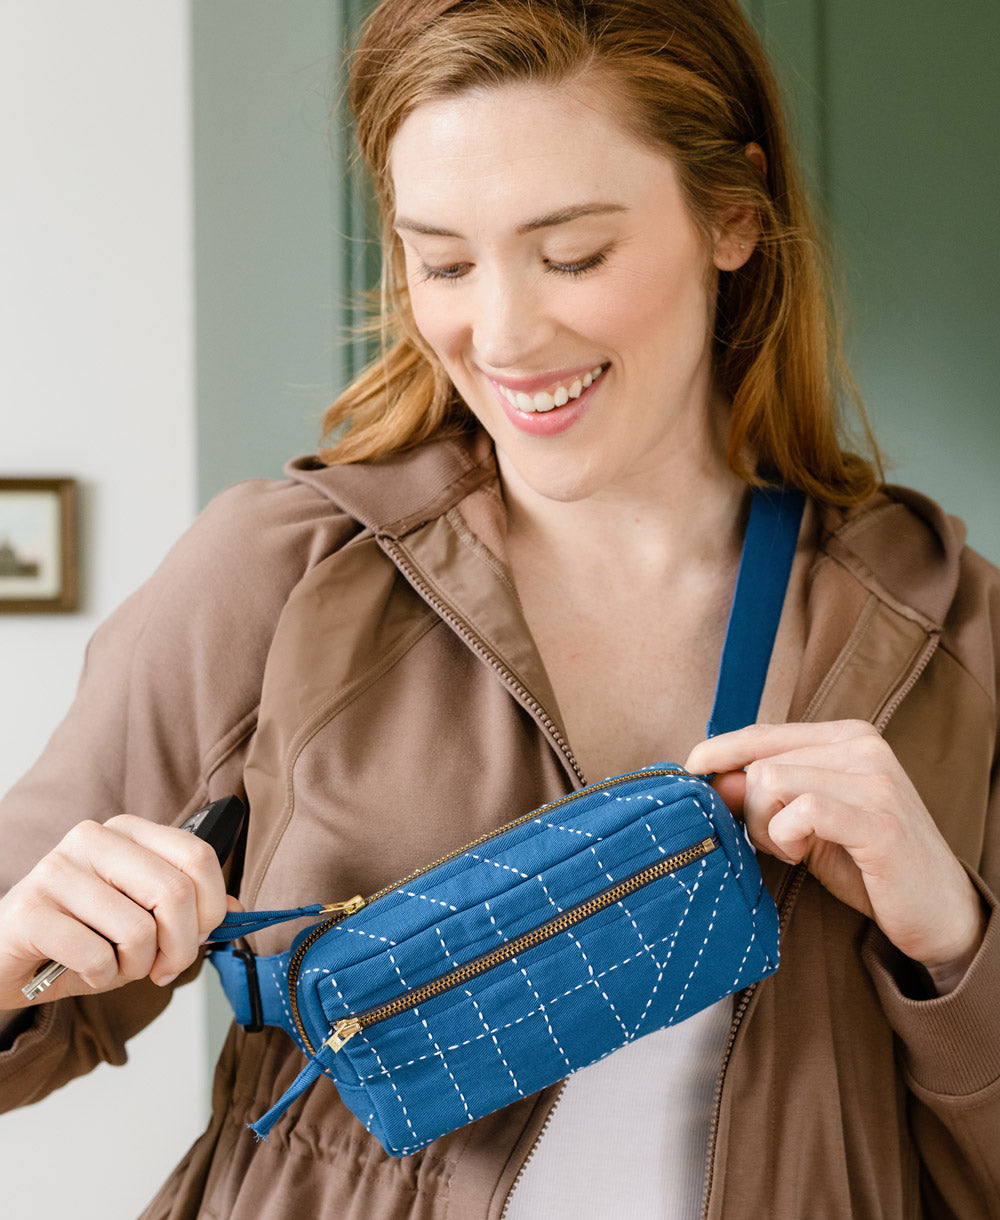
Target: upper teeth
545	400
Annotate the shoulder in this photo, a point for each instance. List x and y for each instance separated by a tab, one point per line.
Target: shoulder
257	539
217	593
260	529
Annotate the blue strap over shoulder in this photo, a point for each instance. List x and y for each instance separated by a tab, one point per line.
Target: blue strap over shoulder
765	565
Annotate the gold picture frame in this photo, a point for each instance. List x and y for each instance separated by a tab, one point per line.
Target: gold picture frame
38	546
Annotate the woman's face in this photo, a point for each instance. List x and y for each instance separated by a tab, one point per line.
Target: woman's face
555	270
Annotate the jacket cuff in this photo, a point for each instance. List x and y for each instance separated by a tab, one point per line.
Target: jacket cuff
950	1043
29	1049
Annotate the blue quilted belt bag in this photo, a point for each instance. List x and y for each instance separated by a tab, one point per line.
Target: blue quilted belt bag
546	944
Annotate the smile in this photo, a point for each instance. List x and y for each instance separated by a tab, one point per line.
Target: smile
547	400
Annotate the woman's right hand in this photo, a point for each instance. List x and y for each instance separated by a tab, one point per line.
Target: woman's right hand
112	903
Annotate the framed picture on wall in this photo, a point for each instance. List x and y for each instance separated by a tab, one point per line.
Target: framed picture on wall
38	529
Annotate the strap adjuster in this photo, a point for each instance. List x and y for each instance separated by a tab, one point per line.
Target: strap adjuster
256	1023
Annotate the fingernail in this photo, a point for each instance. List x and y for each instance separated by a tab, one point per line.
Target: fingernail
165	982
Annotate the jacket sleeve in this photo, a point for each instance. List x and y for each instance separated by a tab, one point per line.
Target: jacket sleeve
950	1053
949	1046
165	708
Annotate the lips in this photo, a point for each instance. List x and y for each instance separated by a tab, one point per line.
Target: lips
552	396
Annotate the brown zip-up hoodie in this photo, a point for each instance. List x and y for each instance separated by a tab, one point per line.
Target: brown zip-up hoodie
346	649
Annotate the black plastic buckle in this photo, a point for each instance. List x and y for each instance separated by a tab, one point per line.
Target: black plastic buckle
256	1022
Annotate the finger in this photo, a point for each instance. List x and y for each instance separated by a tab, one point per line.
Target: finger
800	832
153	884
733	751
789	806
123	935
59	936
795	826
732	787
233	904
186	853
773	782
868	754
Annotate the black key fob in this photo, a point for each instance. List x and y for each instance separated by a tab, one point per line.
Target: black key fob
218	824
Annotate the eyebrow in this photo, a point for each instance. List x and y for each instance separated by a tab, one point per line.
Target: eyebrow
549	220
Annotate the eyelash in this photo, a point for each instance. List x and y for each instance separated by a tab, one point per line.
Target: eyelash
452	274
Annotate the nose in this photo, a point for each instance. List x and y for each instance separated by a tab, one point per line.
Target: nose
512	325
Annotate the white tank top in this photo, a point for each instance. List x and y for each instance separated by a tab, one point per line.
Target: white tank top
629	1135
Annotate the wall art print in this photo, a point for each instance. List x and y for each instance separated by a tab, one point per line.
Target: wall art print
38	539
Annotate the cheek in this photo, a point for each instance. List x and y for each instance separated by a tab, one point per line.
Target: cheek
437	320
669	305
620	316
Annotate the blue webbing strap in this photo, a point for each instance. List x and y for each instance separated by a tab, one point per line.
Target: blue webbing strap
765	565
256	987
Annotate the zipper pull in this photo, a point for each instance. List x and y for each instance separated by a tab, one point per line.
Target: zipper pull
343	1031
343	908
310	1073
242	923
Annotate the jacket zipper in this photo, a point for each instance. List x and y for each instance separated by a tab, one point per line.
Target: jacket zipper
346	1028
560	1089
342	910
444	611
921	663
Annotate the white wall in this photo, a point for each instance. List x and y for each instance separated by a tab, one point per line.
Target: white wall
96	382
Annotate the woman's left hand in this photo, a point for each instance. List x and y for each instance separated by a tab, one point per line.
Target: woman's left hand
834	796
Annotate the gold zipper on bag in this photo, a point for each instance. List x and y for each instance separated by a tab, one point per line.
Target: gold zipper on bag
345	1029
355	904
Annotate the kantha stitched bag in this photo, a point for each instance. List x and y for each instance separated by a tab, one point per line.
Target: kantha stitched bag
544	945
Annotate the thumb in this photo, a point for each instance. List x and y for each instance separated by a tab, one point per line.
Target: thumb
732	787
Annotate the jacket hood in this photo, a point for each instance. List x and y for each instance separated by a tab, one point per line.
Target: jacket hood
903	548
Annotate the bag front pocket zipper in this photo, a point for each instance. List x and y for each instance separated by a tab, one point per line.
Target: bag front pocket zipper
347	1027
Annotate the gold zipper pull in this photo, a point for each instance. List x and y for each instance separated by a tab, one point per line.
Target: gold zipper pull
343	908
343	1031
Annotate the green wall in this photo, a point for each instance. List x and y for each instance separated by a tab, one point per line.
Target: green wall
273	211
898	109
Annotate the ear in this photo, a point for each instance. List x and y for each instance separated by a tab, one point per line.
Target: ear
738	230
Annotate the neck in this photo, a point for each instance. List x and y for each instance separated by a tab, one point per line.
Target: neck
688	511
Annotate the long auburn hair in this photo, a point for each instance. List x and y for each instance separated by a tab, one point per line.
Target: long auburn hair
689	78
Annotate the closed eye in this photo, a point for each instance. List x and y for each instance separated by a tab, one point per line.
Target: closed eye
453	272
578	268
456	271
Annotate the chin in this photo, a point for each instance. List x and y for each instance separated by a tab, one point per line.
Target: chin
563	481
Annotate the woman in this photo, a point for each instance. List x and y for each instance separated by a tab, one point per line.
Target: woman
512	571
